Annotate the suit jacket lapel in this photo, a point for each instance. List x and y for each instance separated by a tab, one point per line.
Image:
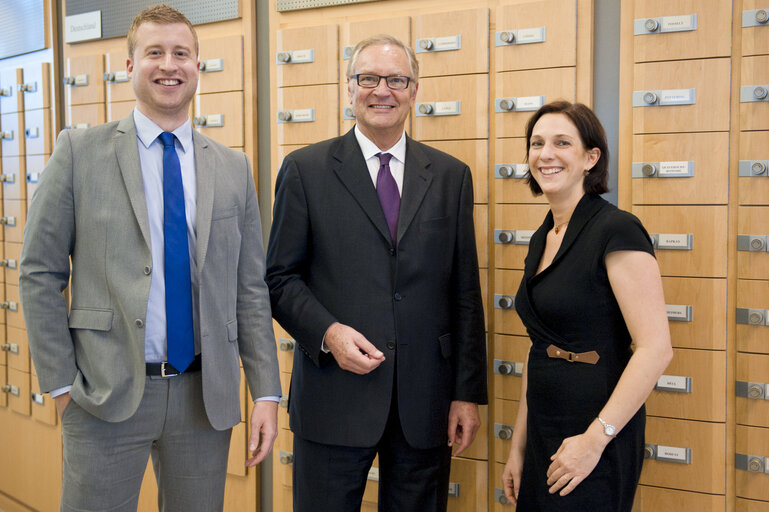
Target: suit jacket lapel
205	163
127	153
351	169
416	180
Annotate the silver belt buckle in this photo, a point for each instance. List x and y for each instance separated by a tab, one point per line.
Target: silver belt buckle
163	370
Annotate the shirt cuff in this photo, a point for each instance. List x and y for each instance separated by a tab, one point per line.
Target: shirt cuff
269	398
60	391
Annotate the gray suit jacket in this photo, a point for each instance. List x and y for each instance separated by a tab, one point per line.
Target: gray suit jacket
90	206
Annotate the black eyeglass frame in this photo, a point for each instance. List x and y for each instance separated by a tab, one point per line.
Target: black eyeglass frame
380	77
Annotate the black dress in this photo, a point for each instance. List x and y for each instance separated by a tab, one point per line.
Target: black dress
570	304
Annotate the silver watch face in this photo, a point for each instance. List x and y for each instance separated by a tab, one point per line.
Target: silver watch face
610	430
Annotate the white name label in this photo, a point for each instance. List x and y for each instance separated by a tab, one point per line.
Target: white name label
529	102
673	383
302	115
446	108
674	168
676	96
531	35
299	56
672	454
447	43
677	23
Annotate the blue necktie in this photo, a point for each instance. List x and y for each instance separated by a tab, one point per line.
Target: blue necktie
389	197
181	343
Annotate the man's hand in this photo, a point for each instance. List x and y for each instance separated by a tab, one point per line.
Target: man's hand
62	401
264	430
464	421
352	351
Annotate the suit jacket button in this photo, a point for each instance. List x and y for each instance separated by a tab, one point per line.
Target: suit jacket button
147	270
392	250
397	296
139	323
391	345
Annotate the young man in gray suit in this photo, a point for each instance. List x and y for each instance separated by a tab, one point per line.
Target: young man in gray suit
372	268
162	228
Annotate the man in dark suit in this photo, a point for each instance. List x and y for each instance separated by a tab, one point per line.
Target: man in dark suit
159	228
372	268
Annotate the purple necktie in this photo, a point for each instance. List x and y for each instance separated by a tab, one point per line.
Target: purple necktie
387	190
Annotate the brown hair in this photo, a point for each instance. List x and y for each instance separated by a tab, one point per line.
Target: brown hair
162	15
592	135
382	40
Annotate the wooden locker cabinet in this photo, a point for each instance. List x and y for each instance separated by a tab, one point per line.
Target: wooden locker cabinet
467	485
509	359
10	99
541	34
752	294
703	398
466	97
35	165
451	43
38	131
661	163
755	38
18	349
119	109
515	222
84	116
42	405
36	86
752	220
711	35
221	64
15	213
506	320
505	414
744	505
354	32
708	227
754	115
753	371
18	397
322	41
15	312
12	128
481	220
754	443
84	80
710	111
510	183
706	471
707	298
14	182
322	99
754	188
475	153
116	79
526	87
220	116
656	499
236	461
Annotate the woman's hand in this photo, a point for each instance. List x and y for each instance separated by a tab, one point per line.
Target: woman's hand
511	476
575	459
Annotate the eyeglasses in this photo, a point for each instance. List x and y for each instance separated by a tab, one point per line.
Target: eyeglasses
369	81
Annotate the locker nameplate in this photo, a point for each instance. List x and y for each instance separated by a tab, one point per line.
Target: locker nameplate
438	108
751	463
295	57
8	221
32	133
679	242
77	126
10	305
348	112
502	301
373	474
679	312
8	263
663	24
438	44
7	178
209	120
347	52
6	93
33	177
513	236
682	169
211	65
664	453
752	93
30	87
499	497
752	390
503	432
753	243
520	36
303	115
519	104
753	168
755	18
38	398
286	344
10	388
517	171
502	367
116	76
76	81
13	348
675	383
454	488
6	135
664	98
752	316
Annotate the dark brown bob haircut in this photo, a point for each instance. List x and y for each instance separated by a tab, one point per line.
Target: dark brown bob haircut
162	15
591	134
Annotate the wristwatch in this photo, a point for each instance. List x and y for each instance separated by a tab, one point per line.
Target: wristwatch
609	430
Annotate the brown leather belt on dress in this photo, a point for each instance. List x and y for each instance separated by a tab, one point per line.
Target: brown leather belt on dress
573	357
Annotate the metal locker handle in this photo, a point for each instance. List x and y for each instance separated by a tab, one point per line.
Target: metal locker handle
649	170
454	488
8	221
499	497
506	171
760	92
27	87
284	56
506	302
426	44
751	463
507	104
505	237
508	37
762	16
286	345
284	115
758	168
199	120
109	76
650	98
6	92
6	135
651	25
286	458
8	263
502	367
283	402
503	432
7	178
425	108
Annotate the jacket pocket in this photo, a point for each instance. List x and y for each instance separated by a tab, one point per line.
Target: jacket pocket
224	213
232	331
446	346
93	319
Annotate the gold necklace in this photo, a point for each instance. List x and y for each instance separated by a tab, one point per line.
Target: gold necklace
559	226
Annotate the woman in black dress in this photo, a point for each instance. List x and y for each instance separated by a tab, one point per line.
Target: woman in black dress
591	286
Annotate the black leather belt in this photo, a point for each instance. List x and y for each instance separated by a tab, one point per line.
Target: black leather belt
165	369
